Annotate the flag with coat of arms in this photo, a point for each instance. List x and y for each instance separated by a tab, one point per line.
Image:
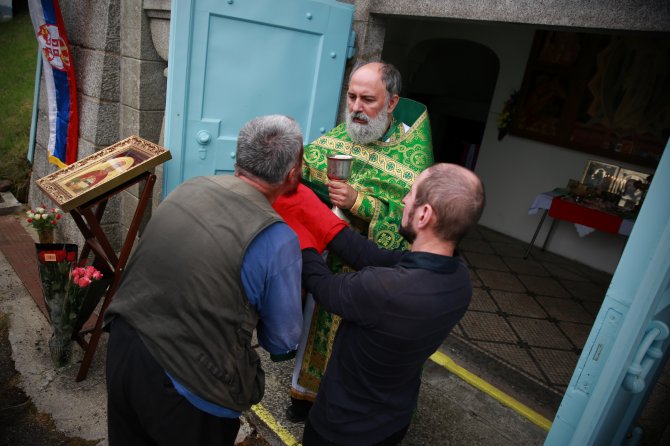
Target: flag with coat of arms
59	78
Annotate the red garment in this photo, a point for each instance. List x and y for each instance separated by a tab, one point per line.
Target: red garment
313	221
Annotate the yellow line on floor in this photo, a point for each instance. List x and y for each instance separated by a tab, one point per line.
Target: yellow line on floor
278	429
449	364
475	381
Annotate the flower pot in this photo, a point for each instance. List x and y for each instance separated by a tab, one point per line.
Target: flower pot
46	235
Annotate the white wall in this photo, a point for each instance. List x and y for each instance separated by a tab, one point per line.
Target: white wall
515	170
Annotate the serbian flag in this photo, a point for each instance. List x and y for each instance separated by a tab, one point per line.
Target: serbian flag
58	73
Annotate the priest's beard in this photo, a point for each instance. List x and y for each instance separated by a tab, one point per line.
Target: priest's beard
407	231
372	130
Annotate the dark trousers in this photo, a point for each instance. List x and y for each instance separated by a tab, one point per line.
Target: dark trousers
310	437
143	407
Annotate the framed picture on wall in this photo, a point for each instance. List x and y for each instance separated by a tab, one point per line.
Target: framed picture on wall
102	171
599	175
582	91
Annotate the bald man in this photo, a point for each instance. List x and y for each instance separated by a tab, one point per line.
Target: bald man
396	310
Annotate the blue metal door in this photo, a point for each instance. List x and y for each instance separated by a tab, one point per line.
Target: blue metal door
628	344
232	60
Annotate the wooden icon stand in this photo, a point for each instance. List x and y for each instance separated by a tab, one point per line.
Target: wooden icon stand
88	218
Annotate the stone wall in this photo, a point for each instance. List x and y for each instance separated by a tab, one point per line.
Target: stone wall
121	92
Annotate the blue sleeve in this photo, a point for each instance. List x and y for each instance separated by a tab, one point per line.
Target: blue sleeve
271	277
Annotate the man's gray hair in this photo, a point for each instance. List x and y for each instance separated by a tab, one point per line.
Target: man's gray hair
390	76
268	147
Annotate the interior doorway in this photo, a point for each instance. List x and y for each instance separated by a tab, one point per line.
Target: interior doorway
455	79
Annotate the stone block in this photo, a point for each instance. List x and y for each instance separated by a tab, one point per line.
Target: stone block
136	33
158	188
652	15
8	203
112	213
98	121
146	124
86	148
128	208
143	86
69	232
98	74
92	24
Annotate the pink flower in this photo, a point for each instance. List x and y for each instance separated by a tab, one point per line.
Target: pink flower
85	275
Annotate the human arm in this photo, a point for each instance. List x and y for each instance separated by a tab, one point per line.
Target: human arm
271	278
358	251
345	294
358	297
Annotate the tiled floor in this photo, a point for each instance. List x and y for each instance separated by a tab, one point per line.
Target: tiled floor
532	315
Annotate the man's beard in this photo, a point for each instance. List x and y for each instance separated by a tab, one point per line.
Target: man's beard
408	232
366	133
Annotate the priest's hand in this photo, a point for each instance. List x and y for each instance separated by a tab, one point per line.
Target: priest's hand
341	194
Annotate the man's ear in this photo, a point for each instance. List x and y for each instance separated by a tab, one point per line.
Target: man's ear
294	175
393	102
424	215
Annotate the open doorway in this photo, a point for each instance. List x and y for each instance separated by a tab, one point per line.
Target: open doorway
530	317
455	79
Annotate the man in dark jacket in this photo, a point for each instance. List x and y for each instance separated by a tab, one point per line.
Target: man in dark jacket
396	309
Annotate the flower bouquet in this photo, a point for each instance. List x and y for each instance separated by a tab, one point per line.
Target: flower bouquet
71	294
44	221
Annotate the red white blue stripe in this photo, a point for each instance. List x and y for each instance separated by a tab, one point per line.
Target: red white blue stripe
59	78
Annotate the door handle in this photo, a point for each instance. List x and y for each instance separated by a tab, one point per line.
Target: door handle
647	353
203	138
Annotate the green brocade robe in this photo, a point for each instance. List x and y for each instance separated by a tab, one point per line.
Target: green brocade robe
382	172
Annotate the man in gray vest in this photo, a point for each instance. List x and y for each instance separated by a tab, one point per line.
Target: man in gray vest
214	263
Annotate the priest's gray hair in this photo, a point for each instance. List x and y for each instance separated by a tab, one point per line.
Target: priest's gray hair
268	147
390	77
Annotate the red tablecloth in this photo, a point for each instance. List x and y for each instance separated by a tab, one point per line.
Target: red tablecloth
576	213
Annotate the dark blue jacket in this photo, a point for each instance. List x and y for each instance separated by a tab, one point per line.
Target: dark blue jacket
396	311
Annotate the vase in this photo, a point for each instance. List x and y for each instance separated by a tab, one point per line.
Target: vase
60	348
46	235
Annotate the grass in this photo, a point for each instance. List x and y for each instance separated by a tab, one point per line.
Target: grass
18	55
